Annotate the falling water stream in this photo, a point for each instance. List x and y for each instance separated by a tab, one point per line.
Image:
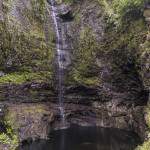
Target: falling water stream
60	58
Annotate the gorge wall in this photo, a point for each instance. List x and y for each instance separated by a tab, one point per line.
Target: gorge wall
106	83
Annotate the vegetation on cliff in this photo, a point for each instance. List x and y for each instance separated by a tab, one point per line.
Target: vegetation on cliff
127	32
126	43
124	50
146	144
10	137
121	47
24	47
85	69
22	77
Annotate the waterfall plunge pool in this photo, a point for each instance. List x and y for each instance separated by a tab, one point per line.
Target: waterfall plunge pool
86	138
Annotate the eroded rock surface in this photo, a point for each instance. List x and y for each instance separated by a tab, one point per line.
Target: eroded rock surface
35	118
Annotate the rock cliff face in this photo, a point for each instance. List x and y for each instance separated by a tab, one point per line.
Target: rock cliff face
25	41
106	83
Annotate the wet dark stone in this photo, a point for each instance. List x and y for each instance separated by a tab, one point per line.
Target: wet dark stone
82	90
66	17
2	127
147	5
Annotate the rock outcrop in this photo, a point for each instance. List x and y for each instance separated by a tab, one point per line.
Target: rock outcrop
105	82
147	13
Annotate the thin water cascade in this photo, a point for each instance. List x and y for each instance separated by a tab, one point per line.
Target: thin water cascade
60	59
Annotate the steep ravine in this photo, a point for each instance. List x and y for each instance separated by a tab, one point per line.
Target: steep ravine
105	80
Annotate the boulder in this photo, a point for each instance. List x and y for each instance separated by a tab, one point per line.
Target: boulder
148	19
65	13
147	5
147	13
2	73
30	120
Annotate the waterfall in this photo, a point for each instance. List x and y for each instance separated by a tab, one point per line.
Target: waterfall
60	58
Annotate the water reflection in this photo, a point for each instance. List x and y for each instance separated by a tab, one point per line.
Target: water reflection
86	138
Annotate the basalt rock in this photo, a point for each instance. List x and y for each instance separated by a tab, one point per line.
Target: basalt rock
36	121
30	120
65	13
147	13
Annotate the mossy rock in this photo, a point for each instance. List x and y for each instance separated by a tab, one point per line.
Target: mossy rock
22	77
24	47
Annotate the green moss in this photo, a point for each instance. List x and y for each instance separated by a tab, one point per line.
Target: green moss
68	1
148	116
107	7
124	44
23	110
117	12
16	118
144	64
38	9
88	81
21	77
146	144
6	5
85	69
124	7
10	137
27	48
27	52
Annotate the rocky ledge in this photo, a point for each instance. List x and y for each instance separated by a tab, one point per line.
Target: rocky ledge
34	117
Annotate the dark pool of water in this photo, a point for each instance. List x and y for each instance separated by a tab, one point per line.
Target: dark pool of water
86	138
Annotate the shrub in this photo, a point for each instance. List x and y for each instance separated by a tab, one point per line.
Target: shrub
127	7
